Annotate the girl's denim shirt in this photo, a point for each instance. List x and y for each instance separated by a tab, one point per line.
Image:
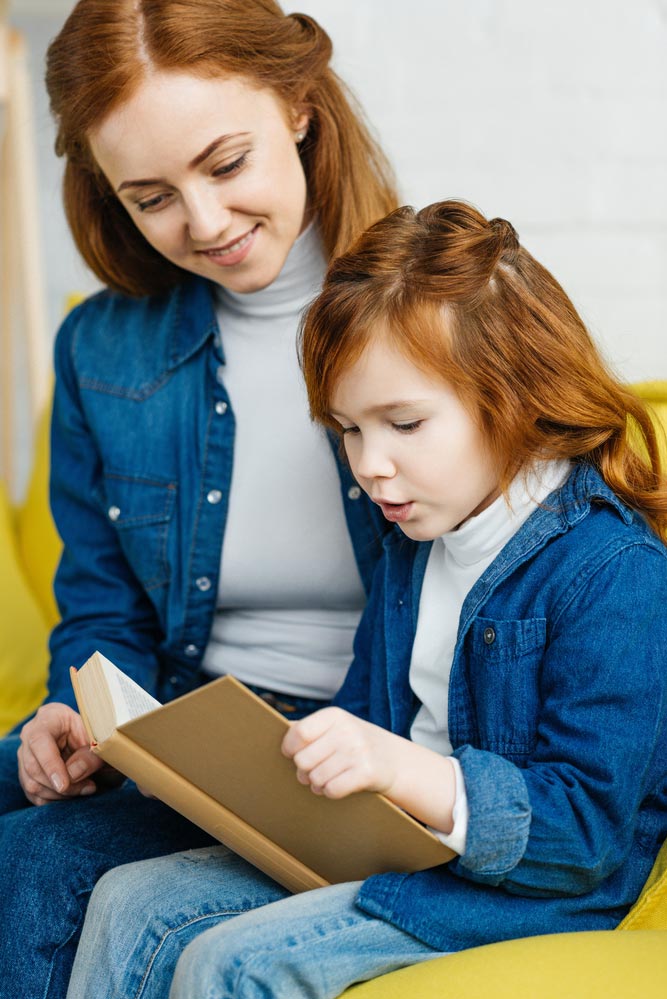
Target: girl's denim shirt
557	714
142	448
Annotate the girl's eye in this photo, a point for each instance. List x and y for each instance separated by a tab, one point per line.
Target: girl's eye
228	168
408	428
349	430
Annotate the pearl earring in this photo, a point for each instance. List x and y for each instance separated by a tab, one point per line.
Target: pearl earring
300	136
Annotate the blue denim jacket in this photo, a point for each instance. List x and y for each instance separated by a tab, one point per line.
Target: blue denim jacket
142	449
557	714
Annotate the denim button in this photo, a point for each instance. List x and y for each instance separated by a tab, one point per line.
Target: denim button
173	680
203	583
113	512
214	496
354	492
191	650
489	636
221	408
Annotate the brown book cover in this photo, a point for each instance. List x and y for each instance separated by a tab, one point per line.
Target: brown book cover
214	755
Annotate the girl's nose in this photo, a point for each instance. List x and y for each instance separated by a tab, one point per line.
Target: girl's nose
373	462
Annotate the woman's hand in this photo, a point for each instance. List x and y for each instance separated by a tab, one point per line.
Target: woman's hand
337	753
55	760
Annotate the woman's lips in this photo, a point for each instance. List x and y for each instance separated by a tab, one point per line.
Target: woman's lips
234	252
396	512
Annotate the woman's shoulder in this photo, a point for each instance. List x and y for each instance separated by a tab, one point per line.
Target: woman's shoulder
110	336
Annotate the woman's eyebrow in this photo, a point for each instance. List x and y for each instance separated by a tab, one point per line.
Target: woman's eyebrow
212	146
199	158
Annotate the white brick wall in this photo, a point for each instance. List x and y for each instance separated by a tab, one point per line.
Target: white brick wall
552	113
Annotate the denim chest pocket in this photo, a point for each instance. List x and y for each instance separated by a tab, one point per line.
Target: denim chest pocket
504	659
140	509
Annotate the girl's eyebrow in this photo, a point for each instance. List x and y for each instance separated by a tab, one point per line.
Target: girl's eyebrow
199	158
385	407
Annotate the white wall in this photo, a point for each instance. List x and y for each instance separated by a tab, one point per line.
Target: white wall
551	113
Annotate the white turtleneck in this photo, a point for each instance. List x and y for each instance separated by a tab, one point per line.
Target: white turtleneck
290	595
456	561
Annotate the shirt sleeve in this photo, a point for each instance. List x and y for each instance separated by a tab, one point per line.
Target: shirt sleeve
456	839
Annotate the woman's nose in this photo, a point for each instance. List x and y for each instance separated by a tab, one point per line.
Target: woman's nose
207	218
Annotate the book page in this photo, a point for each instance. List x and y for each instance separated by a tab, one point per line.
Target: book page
129	699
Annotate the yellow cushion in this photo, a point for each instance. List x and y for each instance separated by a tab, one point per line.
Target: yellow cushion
603	965
23	635
654	394
38	541
650	910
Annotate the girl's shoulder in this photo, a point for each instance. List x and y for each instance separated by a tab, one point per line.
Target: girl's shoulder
591	507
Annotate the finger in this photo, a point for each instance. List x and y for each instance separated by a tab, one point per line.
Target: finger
44	761
340	738
344	783
309	729
32	778
82	764
320	777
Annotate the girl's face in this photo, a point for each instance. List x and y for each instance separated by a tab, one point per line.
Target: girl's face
411	444
209	172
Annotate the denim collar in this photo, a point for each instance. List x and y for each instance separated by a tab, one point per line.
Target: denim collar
559	512
192	320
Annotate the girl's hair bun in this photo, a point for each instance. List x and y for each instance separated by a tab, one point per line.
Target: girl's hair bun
508	239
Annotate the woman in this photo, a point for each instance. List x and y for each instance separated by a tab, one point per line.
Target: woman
213	164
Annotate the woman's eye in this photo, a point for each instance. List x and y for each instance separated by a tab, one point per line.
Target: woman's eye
408	428
228	168
152	203
345	431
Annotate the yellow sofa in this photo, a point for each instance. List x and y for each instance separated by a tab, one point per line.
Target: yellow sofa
622	964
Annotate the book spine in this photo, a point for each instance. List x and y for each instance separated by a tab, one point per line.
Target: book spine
206	812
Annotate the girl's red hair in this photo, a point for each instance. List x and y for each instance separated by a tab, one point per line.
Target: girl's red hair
463	300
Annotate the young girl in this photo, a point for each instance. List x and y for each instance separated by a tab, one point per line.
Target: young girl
509	681
213	164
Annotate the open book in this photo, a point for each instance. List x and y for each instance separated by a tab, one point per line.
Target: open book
214	755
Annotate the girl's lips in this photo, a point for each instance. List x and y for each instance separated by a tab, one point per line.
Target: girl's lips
396	512
232	253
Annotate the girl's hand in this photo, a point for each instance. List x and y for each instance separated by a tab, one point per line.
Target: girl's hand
337	753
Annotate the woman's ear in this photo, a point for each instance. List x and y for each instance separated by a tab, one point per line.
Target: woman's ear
300	122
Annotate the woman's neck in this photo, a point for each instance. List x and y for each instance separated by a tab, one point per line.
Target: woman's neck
298	282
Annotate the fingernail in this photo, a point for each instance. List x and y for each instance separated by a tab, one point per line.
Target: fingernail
77	770
57	782
87	789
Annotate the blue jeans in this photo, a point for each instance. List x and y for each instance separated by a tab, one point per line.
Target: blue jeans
51	858
214	926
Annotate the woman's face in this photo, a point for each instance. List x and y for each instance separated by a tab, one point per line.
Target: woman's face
210	174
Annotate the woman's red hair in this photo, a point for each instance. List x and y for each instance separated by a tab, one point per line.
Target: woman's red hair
103	53
464	301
